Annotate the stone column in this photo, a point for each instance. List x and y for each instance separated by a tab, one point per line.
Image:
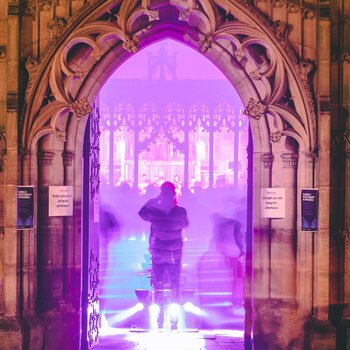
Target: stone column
68	234
261	248
283	232
50	242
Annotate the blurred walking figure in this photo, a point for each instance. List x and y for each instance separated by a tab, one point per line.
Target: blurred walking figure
230	242
165	244
109	232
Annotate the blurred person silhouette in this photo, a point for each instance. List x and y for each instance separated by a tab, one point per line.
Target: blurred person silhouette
230	242
165	244
109	229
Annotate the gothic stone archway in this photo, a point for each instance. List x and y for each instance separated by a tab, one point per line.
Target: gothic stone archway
272	83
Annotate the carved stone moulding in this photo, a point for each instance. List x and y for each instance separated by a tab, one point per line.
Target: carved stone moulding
206	44
239	54
45	157
153	15
290	160
255	109
275	136
255	74
267	159
68	157
60	135
81	108
131	43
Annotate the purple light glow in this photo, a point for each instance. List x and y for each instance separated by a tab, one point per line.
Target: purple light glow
215	197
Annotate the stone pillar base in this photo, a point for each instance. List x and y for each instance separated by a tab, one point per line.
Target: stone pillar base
320	335
10	334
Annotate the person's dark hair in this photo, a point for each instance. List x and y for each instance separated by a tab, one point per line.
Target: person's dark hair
168	188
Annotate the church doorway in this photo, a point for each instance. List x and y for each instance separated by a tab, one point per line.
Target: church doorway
168	114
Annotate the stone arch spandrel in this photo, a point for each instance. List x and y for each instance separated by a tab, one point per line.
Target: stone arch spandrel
257	28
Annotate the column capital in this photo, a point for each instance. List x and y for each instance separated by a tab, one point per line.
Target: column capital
267	160
68	157
45	157
290	160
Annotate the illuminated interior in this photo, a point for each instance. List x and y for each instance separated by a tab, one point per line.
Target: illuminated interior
168	114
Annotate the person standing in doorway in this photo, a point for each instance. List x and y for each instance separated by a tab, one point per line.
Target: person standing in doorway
165	244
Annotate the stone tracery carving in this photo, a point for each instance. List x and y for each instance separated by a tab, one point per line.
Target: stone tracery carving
239	54
131	44
255	109
32	66
213	30
255	74
206	44
153	15
81	108
275	136
60	135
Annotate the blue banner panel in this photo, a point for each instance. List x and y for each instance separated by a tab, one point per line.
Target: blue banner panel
309	209
25	207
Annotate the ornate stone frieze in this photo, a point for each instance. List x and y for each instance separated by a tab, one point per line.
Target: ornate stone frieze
81	108
32	66
45	157
239	54
275	136
206	44
60	135
93	299
131	43
290	160
267	160
153	15
254	109
255	74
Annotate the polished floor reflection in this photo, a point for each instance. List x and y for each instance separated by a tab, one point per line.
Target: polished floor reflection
208	321
127	339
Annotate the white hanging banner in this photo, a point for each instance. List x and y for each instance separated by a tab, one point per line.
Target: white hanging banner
60	200
273	203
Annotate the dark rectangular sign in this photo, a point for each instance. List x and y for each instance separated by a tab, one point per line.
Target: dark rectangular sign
309	209
25	207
